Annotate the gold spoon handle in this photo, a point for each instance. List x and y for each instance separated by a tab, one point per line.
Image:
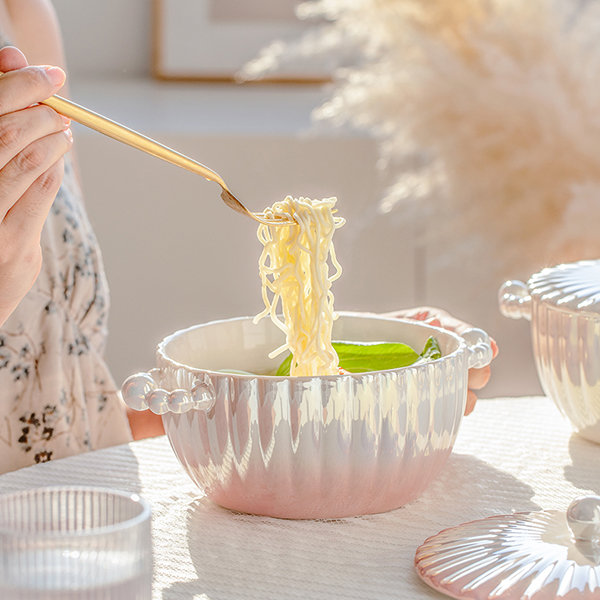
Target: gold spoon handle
130	137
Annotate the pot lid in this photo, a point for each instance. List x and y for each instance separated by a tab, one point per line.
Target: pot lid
571	286
534	556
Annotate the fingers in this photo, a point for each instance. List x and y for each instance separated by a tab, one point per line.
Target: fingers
471	401
438	318
26	179
33	141
24	87
494	346
479	378
21	128
32	136
27	217
431	316
11	58
416	314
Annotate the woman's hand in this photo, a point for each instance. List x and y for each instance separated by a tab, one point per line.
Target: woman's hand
33	141
437	317
144	424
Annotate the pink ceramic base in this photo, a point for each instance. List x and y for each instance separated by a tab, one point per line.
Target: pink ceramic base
309	505
325	495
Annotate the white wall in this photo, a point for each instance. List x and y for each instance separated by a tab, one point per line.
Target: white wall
175	255
110	37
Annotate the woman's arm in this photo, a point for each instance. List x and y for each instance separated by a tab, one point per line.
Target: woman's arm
34	29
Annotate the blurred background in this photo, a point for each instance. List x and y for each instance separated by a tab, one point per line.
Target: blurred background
176	256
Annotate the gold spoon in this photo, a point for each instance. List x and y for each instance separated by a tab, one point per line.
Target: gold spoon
141	142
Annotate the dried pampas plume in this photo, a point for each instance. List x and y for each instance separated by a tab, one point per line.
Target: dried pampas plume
487	112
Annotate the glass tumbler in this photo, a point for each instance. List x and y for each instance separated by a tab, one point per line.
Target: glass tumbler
75	542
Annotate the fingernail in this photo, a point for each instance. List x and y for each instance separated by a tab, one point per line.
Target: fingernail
66	120
69	134
55	75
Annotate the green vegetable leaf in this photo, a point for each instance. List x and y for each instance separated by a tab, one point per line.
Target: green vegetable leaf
361	358
357	357
432	350
285	366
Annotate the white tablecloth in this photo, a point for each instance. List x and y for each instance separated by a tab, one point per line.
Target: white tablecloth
512	454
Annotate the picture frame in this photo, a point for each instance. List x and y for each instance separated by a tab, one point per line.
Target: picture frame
211	40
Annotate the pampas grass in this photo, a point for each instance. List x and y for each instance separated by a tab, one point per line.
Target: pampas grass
487	113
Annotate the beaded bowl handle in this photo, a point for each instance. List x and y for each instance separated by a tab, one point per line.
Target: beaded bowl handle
141	392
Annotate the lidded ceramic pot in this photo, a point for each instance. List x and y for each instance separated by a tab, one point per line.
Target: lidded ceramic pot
563	305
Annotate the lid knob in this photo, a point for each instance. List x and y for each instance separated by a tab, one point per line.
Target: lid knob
514	300
583	517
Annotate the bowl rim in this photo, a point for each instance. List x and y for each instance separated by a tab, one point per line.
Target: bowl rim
161	354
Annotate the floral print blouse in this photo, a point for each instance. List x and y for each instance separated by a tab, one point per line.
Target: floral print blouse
57	397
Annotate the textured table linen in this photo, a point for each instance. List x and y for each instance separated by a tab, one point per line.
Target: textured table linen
512	454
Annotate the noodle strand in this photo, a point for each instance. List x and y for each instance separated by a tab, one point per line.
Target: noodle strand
294	273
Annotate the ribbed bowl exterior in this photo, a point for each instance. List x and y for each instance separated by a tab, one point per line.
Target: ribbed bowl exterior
567	355
320	447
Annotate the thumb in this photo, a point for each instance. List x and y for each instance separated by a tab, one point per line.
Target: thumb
11	58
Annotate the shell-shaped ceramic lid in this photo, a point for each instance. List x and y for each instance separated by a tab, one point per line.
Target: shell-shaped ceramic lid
571	286
523	556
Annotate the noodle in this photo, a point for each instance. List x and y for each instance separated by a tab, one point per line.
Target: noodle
294	272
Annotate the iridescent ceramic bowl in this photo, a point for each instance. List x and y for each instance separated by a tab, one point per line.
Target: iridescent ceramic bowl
563	305
307	447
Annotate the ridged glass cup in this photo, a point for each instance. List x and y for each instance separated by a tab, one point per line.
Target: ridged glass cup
75	542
